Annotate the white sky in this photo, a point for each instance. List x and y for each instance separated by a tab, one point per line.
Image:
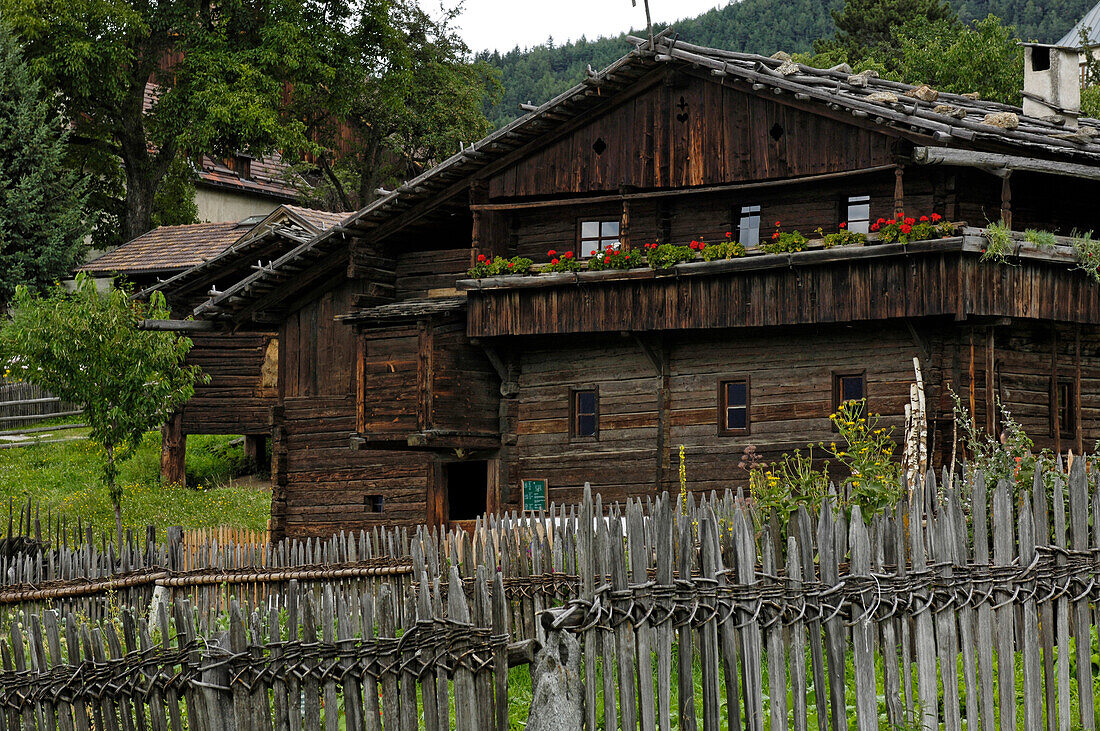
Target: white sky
502	24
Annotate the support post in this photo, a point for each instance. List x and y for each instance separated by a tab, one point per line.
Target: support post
899	191
173	451
1006	199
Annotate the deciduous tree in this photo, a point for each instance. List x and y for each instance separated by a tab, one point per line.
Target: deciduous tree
86	347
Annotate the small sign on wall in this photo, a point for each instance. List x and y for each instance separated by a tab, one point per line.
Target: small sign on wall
534	494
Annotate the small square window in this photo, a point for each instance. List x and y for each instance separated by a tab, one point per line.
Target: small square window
373	503
585	417
748	229
597	236
848	387
733	406
859	214
1063	415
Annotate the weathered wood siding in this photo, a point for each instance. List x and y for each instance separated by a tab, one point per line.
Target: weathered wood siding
243	368
424	273
692	131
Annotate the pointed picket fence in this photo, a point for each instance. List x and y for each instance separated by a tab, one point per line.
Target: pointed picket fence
966	605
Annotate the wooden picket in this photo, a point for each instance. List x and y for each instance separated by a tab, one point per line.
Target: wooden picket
692	612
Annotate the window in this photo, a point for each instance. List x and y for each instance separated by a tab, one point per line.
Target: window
848	387
748	230
585	415
373	503
733	406
859	214
597	236
1063	415
241	165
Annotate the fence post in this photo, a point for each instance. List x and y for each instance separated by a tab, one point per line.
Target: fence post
557	693
217	696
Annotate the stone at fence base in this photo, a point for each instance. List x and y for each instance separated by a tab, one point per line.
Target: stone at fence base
161	595
557	697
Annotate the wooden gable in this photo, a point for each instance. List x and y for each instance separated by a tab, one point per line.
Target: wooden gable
685	130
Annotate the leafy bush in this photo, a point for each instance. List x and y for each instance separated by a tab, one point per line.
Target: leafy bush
499	267
867	451
843	237
566	262
617	258
903	229
728	249
783	243
665	256
999	244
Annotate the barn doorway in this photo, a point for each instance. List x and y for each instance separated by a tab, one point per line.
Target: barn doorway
466	486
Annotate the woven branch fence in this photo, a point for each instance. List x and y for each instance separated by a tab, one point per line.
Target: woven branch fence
23	403
966	604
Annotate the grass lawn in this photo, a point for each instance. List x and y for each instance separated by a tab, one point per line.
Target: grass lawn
65	477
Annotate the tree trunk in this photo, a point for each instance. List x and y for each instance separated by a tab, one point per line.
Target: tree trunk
173	451
113	492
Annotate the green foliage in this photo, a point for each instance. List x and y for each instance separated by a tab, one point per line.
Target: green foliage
998	243
499	267
666	256
419	96
1044	239
903	229
1087	251
617	258
843	237
42	202
174	201
784	242
864	24
728	249
866	450
567	262
782	487
86	348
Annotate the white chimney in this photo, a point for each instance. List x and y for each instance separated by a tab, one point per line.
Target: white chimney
1052	83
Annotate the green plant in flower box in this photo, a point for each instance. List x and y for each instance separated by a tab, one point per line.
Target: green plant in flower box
784	242
566	262
728	249
499	267
616	258
1042	239
843	237
902	229
665	256
998	243
1087	250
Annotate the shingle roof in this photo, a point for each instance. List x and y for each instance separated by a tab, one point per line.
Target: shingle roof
319	220
950	120
1091	22
168	248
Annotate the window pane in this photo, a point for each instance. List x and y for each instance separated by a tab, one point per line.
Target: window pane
590	229
749	230
610	229
736	393
859	213
586	402
586	425
851	388
736	417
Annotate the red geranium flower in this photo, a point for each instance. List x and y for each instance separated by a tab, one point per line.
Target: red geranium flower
906	228
910	221
481	257
511	264
844	224
729	234
936	217
924	218
775	236
592	253
553	261
874	227
890	222
551	253
881	221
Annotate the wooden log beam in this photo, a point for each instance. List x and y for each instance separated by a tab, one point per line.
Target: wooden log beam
178	325
992	162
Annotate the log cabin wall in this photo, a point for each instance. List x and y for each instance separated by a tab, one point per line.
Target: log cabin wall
430	272
243	370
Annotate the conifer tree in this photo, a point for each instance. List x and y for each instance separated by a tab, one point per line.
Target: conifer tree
42	201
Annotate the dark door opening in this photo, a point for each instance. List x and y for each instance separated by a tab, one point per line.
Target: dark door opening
467	488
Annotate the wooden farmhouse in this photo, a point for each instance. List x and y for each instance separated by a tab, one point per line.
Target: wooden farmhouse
189	262
407	392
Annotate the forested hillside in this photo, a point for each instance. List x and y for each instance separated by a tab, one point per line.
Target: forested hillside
757	26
